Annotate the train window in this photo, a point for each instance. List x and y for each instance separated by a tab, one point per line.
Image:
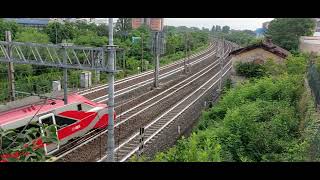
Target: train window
48	121
79	107
63	122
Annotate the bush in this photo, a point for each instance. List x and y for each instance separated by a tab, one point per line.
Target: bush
263	120
250	70
23	142
253	122
296	64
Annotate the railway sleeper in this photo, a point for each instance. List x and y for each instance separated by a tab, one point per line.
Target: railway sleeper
124	150
121	155
157	125
148	133
131	143
163	121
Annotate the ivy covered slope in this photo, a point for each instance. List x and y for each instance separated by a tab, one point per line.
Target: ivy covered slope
271	118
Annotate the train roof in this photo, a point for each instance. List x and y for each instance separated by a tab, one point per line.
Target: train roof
27	112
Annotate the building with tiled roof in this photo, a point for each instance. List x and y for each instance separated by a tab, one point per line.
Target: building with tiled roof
259	53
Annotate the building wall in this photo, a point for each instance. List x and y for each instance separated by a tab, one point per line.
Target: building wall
257	55
153	23
310	44
318	24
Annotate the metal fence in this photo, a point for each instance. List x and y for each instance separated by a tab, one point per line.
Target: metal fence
314	81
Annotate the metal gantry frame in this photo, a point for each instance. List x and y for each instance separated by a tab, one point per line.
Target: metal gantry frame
51	55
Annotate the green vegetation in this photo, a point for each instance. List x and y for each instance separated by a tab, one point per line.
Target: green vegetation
24	143
286	31
7	26
249	69
270	118
243	38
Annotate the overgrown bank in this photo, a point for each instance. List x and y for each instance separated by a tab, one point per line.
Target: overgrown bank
271	118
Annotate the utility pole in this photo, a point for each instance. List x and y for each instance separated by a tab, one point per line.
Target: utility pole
142	53
97	72
110	143
123	59
56	34
221	64
186	61
186	54
65	75
10	70
156	63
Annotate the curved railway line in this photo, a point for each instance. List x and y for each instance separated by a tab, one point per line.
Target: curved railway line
147	113
149	73
131	145
132	83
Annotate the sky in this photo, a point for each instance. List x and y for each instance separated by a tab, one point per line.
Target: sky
234	23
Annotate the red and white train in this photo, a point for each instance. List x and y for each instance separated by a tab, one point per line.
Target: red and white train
73	120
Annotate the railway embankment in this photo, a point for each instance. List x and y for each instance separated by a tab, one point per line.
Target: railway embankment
269	118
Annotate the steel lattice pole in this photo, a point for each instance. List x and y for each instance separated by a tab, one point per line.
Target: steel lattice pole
110	143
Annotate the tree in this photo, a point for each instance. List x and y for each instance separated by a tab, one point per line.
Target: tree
240	37
213	29
102	30
205	29
58	31
174	43
32	35
218	28
11	26
123	26
225	29
249	69
286	31
90	39
249	32
195	29
135	48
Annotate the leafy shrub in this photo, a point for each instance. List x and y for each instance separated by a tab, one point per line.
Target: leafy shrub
260	120
22	142
250	70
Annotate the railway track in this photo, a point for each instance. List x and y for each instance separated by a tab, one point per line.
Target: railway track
163	79
127	148
131	146
133	112
132	83
150	72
